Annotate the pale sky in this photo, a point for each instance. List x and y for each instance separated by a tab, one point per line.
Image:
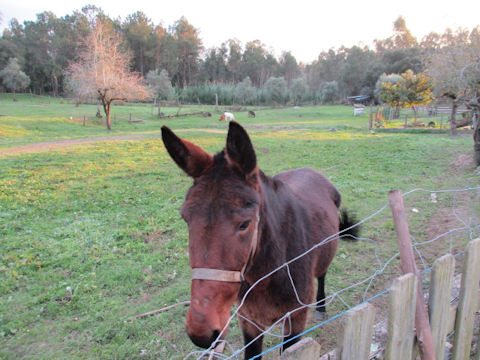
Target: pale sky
303	27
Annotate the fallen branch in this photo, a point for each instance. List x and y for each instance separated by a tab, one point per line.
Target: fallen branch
150	313
181	115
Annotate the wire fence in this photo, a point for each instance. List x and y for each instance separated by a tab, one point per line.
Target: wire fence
421	116
464	211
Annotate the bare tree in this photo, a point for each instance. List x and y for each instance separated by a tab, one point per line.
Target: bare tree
103	72
455	69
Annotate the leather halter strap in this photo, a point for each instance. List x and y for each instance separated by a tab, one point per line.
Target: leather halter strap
217	275
228	275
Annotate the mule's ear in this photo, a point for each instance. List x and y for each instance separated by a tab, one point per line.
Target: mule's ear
189	157
239	148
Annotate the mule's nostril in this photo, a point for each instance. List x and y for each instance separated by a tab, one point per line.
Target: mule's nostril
204	341
214	338
215	335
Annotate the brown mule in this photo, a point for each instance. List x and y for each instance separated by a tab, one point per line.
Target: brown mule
242	225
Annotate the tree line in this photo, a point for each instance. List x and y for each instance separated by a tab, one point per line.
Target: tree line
75	53
237	73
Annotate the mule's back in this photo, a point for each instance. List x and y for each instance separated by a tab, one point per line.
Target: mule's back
309	184
321	200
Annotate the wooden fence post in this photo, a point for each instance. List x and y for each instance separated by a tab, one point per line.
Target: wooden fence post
441	282
424	333
401	318
356	336
478	349
305	349
370	118
468	303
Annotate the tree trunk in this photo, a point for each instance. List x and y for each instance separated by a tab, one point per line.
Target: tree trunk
453	121
476	139
142	62
465	121
106	108
396	112
55	85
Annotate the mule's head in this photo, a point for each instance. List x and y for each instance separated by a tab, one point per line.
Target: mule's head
221	210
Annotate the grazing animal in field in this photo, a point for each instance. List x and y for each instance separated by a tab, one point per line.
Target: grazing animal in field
243	225
228	116
251	113
206	114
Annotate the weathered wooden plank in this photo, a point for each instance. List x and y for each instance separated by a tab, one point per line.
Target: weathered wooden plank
468	302
453	313
441	282
401	318
305	349
478	348
356	337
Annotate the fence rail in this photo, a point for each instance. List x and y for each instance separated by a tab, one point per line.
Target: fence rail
421	116
356	335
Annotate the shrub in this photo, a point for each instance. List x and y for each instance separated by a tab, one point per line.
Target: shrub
329	92
245	93
276	89
298	90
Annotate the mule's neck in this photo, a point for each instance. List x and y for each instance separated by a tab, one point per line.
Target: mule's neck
271	250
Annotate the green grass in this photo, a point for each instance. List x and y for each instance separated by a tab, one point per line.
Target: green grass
102	219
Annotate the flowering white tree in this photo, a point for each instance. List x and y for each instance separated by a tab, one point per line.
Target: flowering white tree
103	71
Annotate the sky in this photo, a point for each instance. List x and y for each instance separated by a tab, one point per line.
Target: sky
306	28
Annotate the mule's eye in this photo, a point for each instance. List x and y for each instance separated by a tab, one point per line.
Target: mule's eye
243	226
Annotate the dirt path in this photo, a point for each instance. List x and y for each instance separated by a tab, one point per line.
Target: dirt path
51	145
46	146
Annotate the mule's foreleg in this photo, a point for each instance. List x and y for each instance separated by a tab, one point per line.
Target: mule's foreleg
250	332
294	326
288	342
254	348
320	312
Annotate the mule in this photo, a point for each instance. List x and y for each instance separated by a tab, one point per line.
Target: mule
243	224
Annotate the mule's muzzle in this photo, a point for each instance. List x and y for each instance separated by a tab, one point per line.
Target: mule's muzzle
209	310
204	341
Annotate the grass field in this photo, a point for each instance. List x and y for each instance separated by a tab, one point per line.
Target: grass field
90	234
